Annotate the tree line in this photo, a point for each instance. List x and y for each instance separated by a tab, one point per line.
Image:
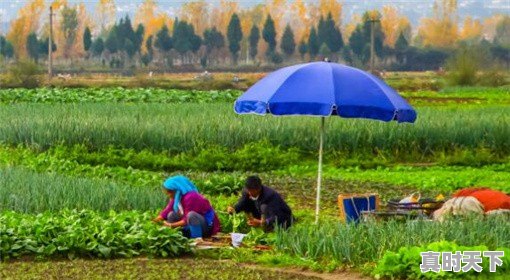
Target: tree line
125	44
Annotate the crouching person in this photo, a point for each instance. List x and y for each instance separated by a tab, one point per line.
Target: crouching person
264	206
477	201
187	209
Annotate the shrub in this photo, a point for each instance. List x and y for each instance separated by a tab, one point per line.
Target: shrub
492	78
24	73
463	67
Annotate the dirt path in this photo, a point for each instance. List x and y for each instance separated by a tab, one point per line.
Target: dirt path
344	275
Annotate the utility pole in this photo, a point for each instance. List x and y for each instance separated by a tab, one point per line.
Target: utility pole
50	46
372	49
373	19
1	30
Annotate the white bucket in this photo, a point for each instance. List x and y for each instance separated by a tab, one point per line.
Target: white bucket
237	238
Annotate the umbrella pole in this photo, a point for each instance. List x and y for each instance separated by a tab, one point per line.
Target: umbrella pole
319	175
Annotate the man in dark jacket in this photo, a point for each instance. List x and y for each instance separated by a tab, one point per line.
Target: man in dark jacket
264	205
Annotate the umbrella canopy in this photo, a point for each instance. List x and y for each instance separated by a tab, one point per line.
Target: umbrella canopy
324	89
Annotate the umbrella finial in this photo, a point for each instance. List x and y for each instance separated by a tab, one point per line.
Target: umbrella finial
326	59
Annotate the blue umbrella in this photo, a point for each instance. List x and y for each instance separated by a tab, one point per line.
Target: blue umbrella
324	89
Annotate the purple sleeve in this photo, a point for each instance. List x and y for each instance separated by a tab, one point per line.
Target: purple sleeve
169	208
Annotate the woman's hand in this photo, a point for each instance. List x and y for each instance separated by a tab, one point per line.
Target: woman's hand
157	219
255	222
167	224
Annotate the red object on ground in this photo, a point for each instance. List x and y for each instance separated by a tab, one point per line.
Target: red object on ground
490	199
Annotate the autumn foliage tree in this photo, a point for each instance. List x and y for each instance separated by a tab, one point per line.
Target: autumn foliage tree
26	22
266	27
441	29
393	25
105	14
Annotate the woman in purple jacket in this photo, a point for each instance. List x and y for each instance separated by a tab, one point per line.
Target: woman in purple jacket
188	209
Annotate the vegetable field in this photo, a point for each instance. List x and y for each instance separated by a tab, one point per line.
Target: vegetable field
81	172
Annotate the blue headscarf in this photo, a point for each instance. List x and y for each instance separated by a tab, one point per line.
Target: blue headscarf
181	185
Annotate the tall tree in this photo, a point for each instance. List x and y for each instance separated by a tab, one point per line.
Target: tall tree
139	35
44	47
180	37
222	14
112	42
152	18
288	45
195	40
126	37
148	45
360	39
313	43
440	30
87	39
350	26
234	35
33	46
147	58
164	43
378	33
163	40
325	7
322	31
98	47
213	40
357	43
300	18
334	39
502	36
269	35
400	47
196	13
401	44
393	24
254	41
185	39
105	12
6	48
26	22
303	49
69	28
277	9
471	30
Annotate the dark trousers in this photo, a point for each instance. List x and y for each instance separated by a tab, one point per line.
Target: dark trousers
196	224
